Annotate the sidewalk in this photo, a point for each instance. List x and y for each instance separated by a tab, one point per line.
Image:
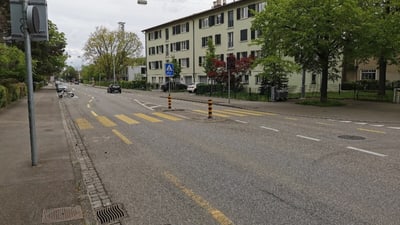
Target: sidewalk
50	193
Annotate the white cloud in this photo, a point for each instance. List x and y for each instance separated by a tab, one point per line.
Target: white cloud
77	19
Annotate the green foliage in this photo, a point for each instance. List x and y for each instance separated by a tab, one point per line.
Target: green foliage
108	49
313	33
210	57
177	68
136	84
70	74
329	103
12	63
3	96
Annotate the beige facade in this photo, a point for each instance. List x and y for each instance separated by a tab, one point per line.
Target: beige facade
228	25
370	71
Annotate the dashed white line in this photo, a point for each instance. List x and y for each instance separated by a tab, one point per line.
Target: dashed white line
361	123
376	125
366	151
395	128
308	138
239	121
345	121
269	128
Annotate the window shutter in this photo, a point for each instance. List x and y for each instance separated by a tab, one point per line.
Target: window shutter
238	13
200	24
222	18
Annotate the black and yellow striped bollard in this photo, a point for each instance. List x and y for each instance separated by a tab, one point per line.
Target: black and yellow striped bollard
169	101
210	109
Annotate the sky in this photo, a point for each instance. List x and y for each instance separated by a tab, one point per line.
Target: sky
78	19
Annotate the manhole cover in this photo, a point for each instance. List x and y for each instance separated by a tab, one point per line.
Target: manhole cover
351	137
110	214
61	214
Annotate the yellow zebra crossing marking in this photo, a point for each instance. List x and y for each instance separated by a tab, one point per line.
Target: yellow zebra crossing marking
83	124
105	121
214	114
148	118
126	119
122	137
228	113
166	116
246	112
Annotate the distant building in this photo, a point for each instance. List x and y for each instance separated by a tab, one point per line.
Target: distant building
229	26
136	73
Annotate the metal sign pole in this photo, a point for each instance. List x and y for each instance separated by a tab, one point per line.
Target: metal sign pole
31	105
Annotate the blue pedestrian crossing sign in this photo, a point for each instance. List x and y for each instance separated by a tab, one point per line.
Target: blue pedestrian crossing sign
169	69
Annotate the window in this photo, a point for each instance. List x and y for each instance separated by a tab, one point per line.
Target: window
243	35
313	78
242	13
166	50
230	40
202	60
204	41
218	39
176	29
185	45
368	74
255	34
219	19
166	34
185	27
230	18
261	6
203	23
184	62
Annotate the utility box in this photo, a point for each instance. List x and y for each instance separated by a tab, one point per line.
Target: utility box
35	16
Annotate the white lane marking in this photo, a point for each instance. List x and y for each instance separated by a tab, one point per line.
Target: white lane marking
366	151
308	138
269	128
395	128
377	125
239	121
142	104
361	123
345	121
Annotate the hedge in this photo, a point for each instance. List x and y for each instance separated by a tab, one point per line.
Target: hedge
10	92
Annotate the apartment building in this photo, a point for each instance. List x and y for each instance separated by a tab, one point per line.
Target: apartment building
229	26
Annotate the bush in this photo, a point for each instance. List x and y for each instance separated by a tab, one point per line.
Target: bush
3	96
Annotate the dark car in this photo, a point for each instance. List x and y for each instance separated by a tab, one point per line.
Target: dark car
114	88
174	86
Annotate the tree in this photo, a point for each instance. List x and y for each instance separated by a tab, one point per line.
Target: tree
209	65
382	24
70	74
312	32
50	55
177	68
107	49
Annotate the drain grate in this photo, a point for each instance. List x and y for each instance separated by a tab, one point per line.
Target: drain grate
351	137
61	214
110	214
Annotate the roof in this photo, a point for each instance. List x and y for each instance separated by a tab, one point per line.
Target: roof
218	8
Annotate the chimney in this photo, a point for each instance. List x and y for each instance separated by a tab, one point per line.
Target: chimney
217	3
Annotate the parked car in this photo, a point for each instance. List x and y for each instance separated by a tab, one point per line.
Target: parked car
174	86
114	88
192	88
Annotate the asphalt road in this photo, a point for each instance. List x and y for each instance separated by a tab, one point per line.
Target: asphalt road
242	167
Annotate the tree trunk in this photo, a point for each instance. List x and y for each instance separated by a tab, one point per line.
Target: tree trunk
324	80
382	76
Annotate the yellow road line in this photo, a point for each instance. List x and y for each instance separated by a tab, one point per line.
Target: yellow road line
123	138
215	213
94	114
127	120
105	121
83	124
214	114
244	112
148	118
166	116
291	118
373	131
229	113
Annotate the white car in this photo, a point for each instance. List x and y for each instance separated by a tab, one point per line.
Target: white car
193	87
